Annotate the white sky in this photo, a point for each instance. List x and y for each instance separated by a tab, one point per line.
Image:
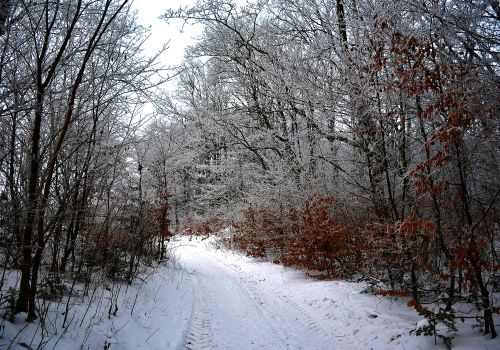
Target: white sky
161	32
176	33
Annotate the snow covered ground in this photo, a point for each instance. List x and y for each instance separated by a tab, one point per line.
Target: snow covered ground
243	303
211	298
151	315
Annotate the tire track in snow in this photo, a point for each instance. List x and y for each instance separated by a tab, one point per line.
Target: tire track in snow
303	319
343	335
312	323
233	307
322	327
254	312
265	316
199	333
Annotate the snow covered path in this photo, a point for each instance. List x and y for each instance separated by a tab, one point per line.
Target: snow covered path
206	297
239	303
243	303
229	311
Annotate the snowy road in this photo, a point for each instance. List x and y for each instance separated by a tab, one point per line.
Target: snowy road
208	298
229	312
237	305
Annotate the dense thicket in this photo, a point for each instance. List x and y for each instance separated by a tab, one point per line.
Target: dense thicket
354	138
73	200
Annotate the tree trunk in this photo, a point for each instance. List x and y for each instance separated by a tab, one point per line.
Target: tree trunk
24	285
342	22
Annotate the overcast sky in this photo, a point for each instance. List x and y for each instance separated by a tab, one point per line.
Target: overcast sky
161	32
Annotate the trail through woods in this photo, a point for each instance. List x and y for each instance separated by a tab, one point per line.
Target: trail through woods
242	303
235	309
207	297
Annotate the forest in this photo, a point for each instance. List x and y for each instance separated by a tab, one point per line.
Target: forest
356	139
